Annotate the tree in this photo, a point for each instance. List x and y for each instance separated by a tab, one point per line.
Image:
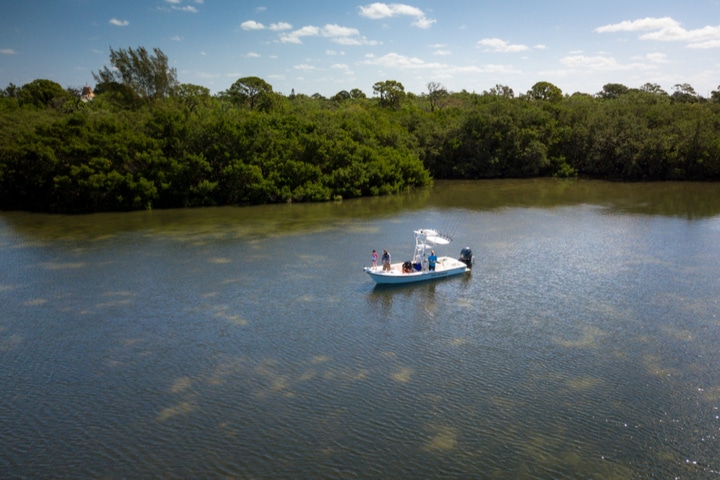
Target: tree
684	93
437	95
612	91
251	91
10	91
715	95
391	93
341	95
358	94
43	93
545	91
193	95
147	75
502	91
653	88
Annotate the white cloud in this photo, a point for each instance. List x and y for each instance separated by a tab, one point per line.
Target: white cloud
252	25
667	30
176	38
642	24
295	37
465	69
304	67
252	55
336	33
498	45
707	44
355	41
439	70
678	33
7	51
376	11
277	27
175	5
119	23
423	22
600	63
344	68
657	57
492	68
395	60
186	8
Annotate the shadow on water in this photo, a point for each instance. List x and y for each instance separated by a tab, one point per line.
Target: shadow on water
217	222
687	200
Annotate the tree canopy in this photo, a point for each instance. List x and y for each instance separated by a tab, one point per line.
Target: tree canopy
252	92
391	93
147	75
545	91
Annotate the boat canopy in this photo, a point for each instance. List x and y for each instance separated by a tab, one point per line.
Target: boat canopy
431	236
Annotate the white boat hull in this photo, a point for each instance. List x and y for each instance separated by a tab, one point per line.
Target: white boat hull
445	267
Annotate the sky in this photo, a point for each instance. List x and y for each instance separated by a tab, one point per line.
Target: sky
327	46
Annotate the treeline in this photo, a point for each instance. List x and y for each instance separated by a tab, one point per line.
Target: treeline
165	155
135	144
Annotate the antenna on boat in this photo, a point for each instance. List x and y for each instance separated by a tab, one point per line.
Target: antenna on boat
448	229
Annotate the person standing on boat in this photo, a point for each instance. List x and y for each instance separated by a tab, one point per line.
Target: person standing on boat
374	258
386	260
432	260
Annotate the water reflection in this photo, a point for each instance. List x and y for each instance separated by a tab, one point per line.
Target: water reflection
690	200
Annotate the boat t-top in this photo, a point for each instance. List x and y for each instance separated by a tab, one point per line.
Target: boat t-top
424	264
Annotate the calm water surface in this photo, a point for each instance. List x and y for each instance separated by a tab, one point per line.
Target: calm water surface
248	343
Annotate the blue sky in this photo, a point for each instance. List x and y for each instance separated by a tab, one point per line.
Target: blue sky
328	46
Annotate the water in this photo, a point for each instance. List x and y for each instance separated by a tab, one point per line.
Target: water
248	343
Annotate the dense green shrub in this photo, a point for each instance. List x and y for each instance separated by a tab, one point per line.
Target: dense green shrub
193	149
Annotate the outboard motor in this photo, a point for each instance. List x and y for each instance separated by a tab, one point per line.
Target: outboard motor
466	256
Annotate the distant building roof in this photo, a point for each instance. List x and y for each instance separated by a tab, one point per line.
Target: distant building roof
87	94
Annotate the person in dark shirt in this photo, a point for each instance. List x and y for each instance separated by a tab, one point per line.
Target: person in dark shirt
386	260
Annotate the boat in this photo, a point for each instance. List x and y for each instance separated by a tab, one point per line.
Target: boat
418	269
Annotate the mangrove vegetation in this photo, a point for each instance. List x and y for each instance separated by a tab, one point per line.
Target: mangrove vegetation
140	139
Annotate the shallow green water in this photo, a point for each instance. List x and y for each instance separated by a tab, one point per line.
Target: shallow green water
248	343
